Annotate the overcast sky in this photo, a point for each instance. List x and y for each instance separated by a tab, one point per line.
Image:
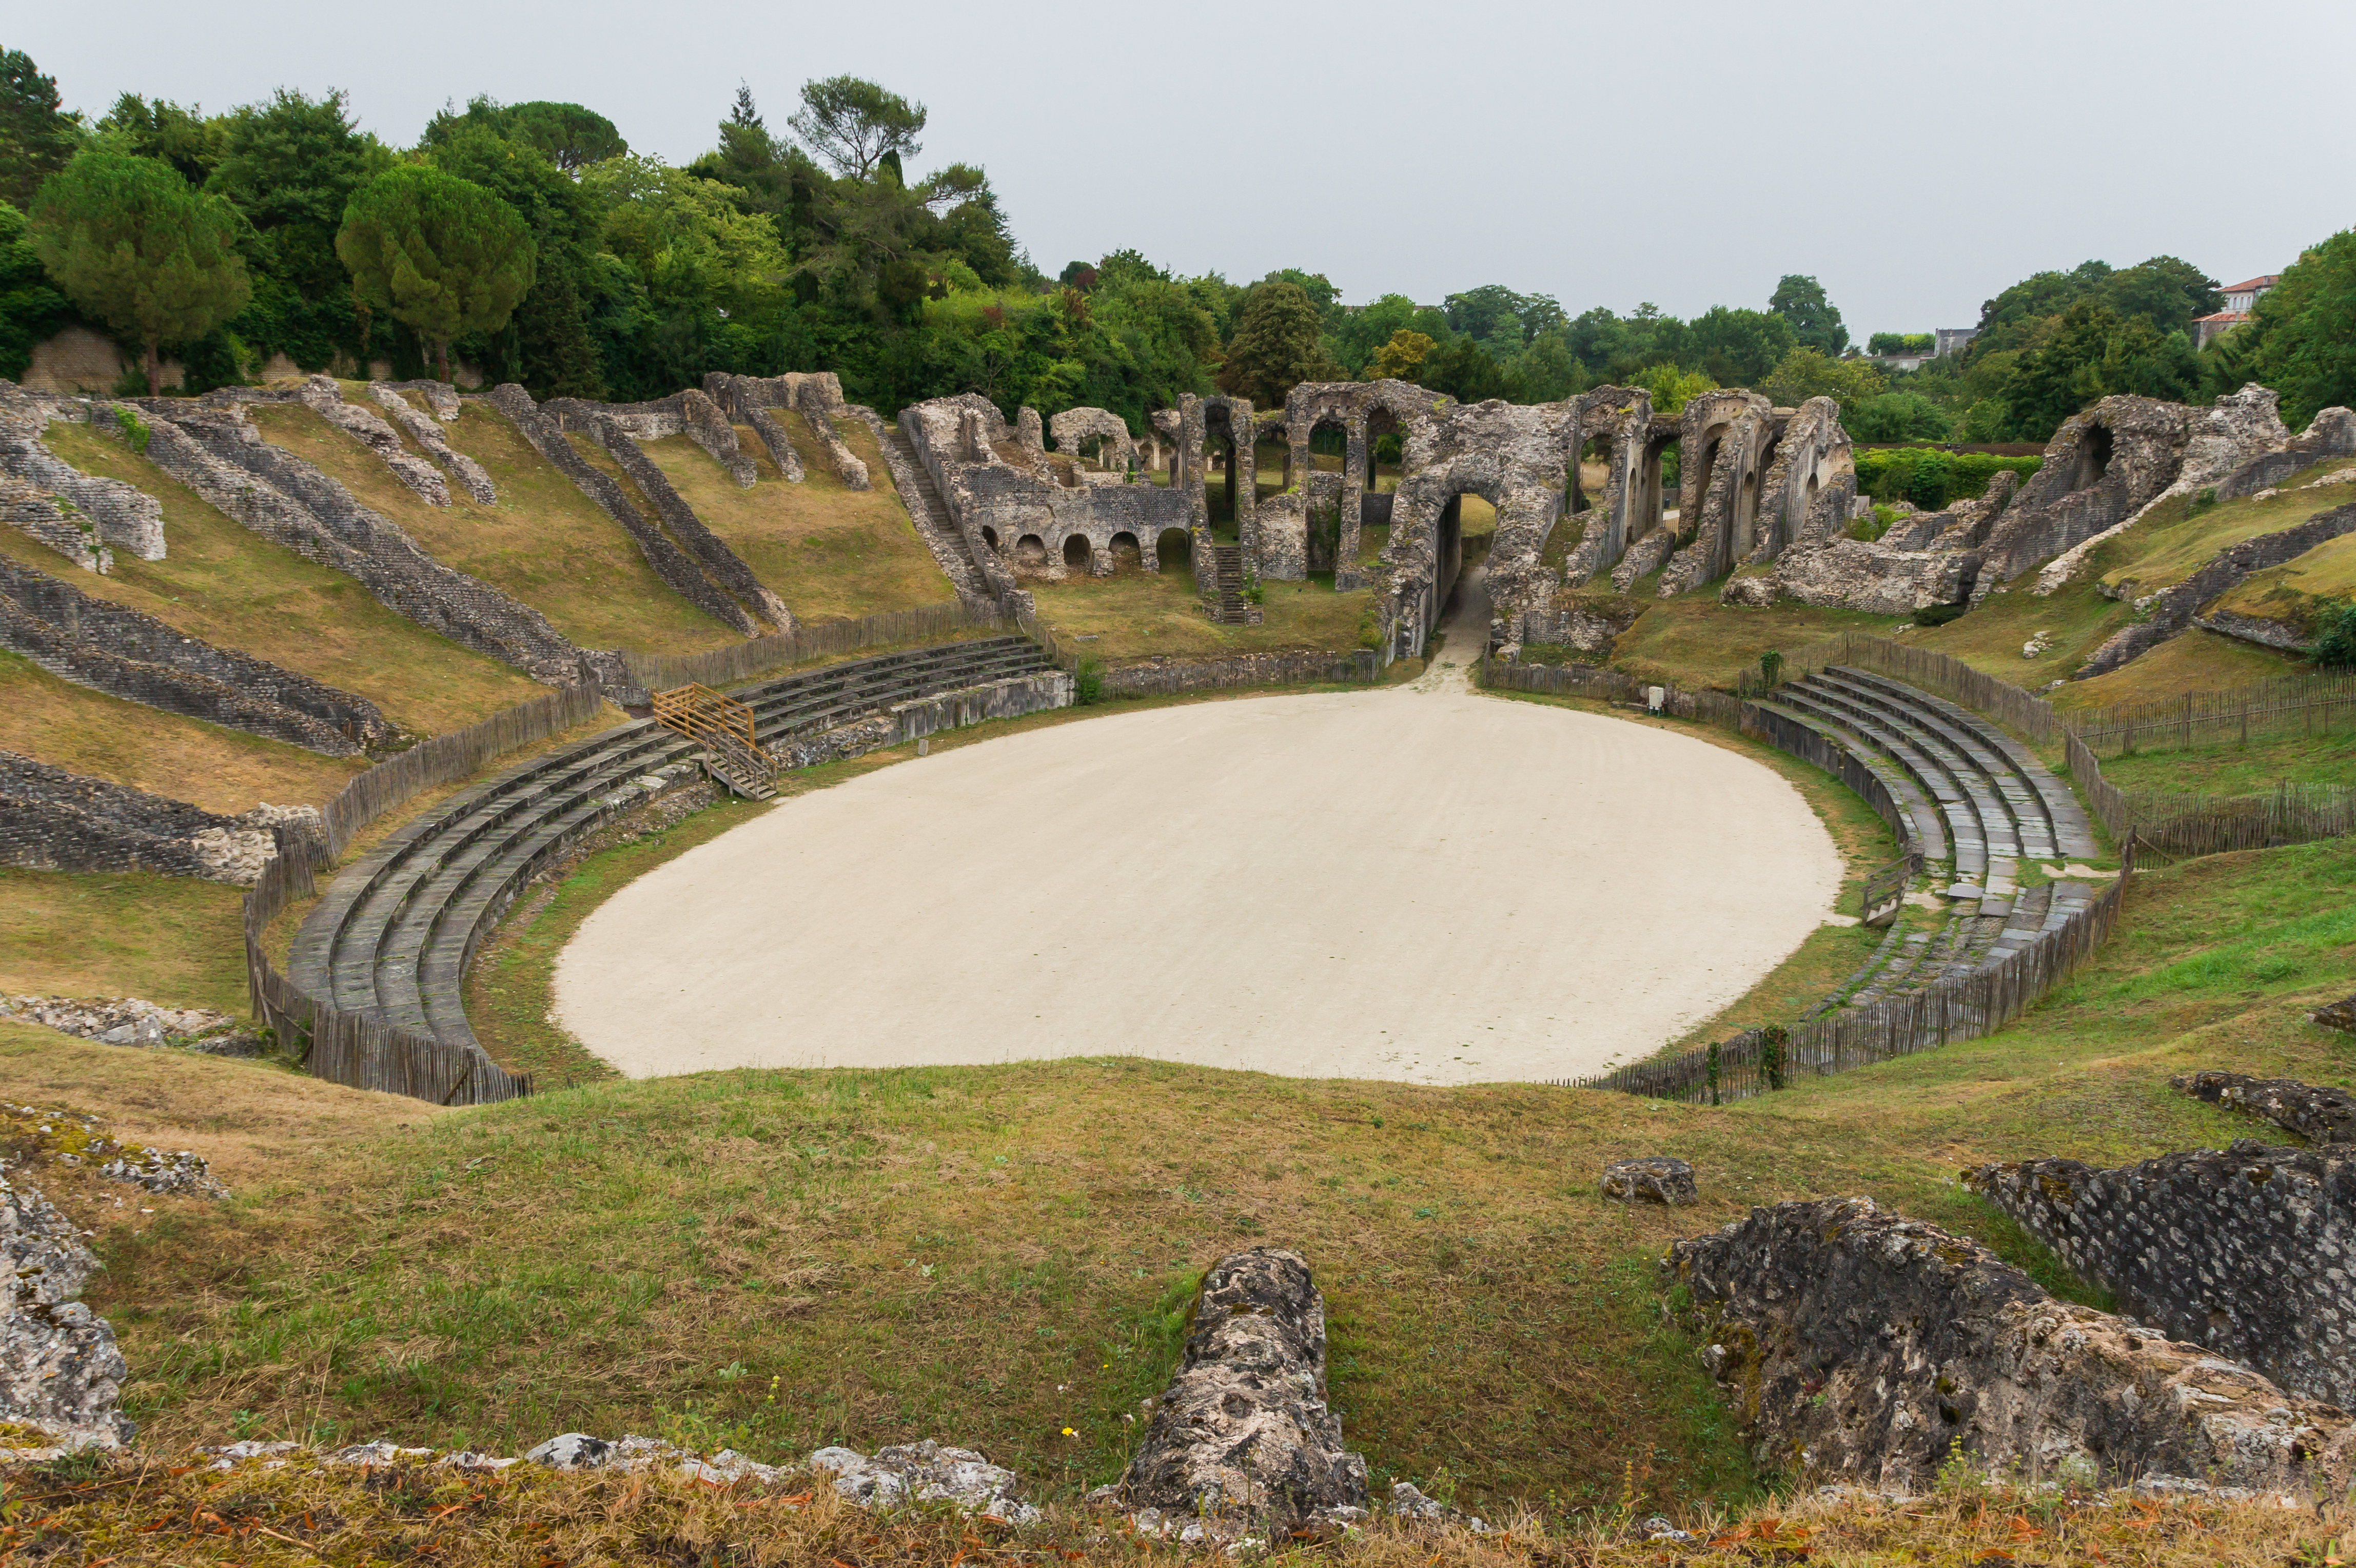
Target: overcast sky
1916	158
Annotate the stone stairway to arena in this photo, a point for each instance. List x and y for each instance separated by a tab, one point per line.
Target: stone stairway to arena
395	933
1227	574
930	513
1980	802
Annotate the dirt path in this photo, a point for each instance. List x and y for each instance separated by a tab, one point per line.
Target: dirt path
1422	884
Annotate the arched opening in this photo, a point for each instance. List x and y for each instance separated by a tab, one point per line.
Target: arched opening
1271	461
2094	458
1126	556
1219	454
1590	471
1031	550
1076	553
1329	453
1704	461
1174	548
1657	481
989	536
1746	514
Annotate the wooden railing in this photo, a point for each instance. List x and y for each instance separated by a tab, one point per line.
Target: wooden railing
721	726
448	758
2302	705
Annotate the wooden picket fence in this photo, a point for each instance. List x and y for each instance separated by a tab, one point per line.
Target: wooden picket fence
742	660
353	1047
2303	705
448	759
1965	1008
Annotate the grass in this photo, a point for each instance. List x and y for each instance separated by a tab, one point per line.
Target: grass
1693	640
2179	537
2239	770
1134	614
222	770
990	1254
224	583
177	942
544	545
827	550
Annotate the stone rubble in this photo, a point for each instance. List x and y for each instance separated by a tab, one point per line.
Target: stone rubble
61	1373
130	1021
74	1139
2319	1115
1656	1180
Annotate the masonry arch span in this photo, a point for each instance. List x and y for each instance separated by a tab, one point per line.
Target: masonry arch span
1078	556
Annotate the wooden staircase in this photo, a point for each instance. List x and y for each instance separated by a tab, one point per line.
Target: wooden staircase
1230	608
723	728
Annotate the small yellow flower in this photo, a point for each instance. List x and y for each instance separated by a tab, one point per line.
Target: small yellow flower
1069	1433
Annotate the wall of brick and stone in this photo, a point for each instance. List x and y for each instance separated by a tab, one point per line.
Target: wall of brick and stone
51	820
2245	1251
124	653
123	517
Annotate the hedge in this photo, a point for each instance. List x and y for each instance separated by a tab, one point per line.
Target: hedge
1931	478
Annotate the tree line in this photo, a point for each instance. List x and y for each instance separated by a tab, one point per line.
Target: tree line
530	242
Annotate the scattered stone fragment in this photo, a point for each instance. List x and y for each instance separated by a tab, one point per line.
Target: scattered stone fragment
61	1373
2319	1115
2341	1015
571	1451
1656	1180
131	1021
927	1472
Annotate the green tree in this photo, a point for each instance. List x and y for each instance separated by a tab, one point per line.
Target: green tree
1463	369
30	310
182	137
1741	348
1673	387
38	138
1901	343
133	244
2167	292
1401	359
2303	341
1807	372
851	124
441	254
566	134
1275	346
1897	416
1801	301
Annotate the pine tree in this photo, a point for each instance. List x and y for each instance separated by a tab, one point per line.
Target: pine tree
439	253
128	240
1275	346
553	332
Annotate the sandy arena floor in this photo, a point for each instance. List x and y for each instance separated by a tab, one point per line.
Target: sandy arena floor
1422	884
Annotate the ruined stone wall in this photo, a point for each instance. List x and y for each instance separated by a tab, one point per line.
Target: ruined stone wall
934	431
746	398
2172	609
1075	426
723	565
321	397
1621	419
1513	455
111	648
1724	450
40	516
1862	1347
2243	1251
940	533
2330	434
123	517
2138	445
426	431
51	820
1811	479
2319	1115
215	451
679	572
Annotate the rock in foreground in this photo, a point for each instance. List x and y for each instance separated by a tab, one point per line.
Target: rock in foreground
1244	1433
1862	1347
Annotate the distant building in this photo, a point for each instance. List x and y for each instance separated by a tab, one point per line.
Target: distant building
2239	299
1951	340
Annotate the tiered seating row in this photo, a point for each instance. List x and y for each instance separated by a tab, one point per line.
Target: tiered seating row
396	933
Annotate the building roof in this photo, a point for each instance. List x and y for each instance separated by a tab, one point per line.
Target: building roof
2225	316
2249	284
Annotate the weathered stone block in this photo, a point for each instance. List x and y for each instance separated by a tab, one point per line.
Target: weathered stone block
1657	1178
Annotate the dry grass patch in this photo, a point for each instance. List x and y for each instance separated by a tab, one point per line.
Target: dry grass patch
1693	640
177	942
223	583
142	1512
544	544
1135	614
222	770
829	552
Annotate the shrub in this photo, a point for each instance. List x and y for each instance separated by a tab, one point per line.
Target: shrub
1087	684
2336	648
1934	478
1771	667
134	429
1939	614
